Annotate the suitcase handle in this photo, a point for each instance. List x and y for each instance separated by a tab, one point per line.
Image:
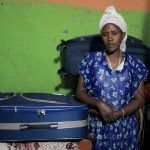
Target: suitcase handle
39	126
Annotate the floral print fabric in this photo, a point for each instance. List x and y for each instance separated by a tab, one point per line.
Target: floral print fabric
117	88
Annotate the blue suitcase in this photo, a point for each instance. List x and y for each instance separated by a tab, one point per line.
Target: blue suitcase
41	116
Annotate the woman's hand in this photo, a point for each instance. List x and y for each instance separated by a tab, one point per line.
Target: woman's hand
118	114
108	113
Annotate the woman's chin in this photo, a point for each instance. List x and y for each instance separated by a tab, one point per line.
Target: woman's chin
111	51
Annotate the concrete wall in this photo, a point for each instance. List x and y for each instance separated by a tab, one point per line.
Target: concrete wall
31	30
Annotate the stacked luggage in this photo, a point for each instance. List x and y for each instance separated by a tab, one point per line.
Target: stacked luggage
74	50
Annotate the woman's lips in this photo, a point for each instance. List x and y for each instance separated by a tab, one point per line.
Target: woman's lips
110	45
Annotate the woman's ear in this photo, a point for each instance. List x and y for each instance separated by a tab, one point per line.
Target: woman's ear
123	35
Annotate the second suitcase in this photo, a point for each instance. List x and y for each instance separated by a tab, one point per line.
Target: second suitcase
41	116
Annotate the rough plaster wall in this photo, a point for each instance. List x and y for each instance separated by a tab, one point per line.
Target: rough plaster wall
30	33
134	5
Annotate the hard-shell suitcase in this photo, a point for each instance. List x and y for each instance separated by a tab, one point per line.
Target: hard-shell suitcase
74	50
41	116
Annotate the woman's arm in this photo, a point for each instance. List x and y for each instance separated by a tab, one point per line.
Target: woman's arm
137	102
105	110
82	94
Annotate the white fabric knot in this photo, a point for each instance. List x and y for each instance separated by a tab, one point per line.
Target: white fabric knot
110	10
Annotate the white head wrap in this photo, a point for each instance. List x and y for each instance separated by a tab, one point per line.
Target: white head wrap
112	16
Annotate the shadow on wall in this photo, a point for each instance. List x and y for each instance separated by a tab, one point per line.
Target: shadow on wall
67	82
146	33
72	52
146	37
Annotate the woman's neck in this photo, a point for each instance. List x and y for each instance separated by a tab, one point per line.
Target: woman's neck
114	59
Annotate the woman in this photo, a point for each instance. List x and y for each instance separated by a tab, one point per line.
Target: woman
111	82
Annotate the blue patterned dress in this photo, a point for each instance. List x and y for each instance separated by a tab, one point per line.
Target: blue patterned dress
116	88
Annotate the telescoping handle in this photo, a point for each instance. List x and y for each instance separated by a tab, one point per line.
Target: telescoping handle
39	126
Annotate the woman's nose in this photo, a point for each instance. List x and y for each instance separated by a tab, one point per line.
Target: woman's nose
110	38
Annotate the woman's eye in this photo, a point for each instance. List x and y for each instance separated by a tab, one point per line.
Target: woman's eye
104	34
114	33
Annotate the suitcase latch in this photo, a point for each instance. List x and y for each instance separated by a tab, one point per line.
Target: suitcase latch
41	112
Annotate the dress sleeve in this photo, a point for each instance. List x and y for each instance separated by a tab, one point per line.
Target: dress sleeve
84	70
139	74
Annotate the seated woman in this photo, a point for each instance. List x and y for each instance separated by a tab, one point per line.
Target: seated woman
111	82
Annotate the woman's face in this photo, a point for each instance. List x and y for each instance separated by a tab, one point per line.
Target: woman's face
112	37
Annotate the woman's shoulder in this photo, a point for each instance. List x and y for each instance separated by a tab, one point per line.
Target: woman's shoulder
94	56
134	63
